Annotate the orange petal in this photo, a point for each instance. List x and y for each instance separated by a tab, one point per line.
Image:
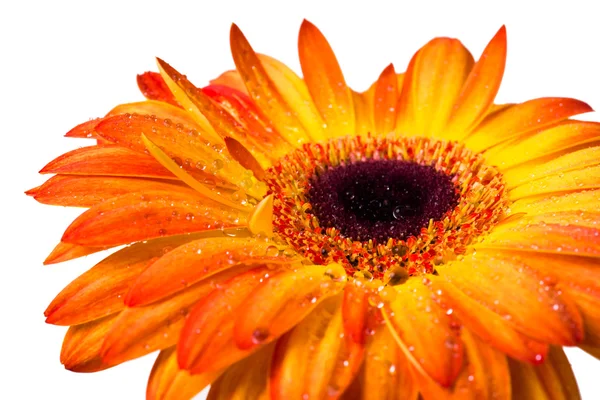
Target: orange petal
206	343
387	374
574	170
196	261
107	160
487	324
168	381
588	303
101	290
354	311
245	158
525	297
185	93
222	122
427	336
263	91
385	101
162	111
296	95
282	301
68	251
141	330
189	150
153	87
87	191
560	137
244	380
81	347
523	118
85	129
547	238
261	131
230	79
433	83
325	81
142	216
479	90
311	361
552	380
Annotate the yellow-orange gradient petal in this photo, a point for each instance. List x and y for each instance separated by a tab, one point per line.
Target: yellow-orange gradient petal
101	290
206	342
153	87
148	215
196	261
523	118
385	101
167	381
325	81
387	374
525	296
587	200
295	93
263	91
558	138
485	375
479	90
547	238
87	191
280	302
432	84
81	347
577	170
363	111
488	325
110	160
315	359
247	379
552	380
428	336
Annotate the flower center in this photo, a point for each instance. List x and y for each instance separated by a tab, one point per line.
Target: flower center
384	207
380	199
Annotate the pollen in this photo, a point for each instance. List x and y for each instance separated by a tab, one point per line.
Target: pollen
384	208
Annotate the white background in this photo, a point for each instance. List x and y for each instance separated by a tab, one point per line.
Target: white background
62	64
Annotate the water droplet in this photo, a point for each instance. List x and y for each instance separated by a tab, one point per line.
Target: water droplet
217	164
260	335
272	251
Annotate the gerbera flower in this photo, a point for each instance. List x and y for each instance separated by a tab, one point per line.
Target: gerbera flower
291	238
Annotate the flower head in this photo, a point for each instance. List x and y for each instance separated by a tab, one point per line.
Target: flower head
291	238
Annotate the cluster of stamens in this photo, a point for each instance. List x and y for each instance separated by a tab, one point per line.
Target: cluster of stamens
443	198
